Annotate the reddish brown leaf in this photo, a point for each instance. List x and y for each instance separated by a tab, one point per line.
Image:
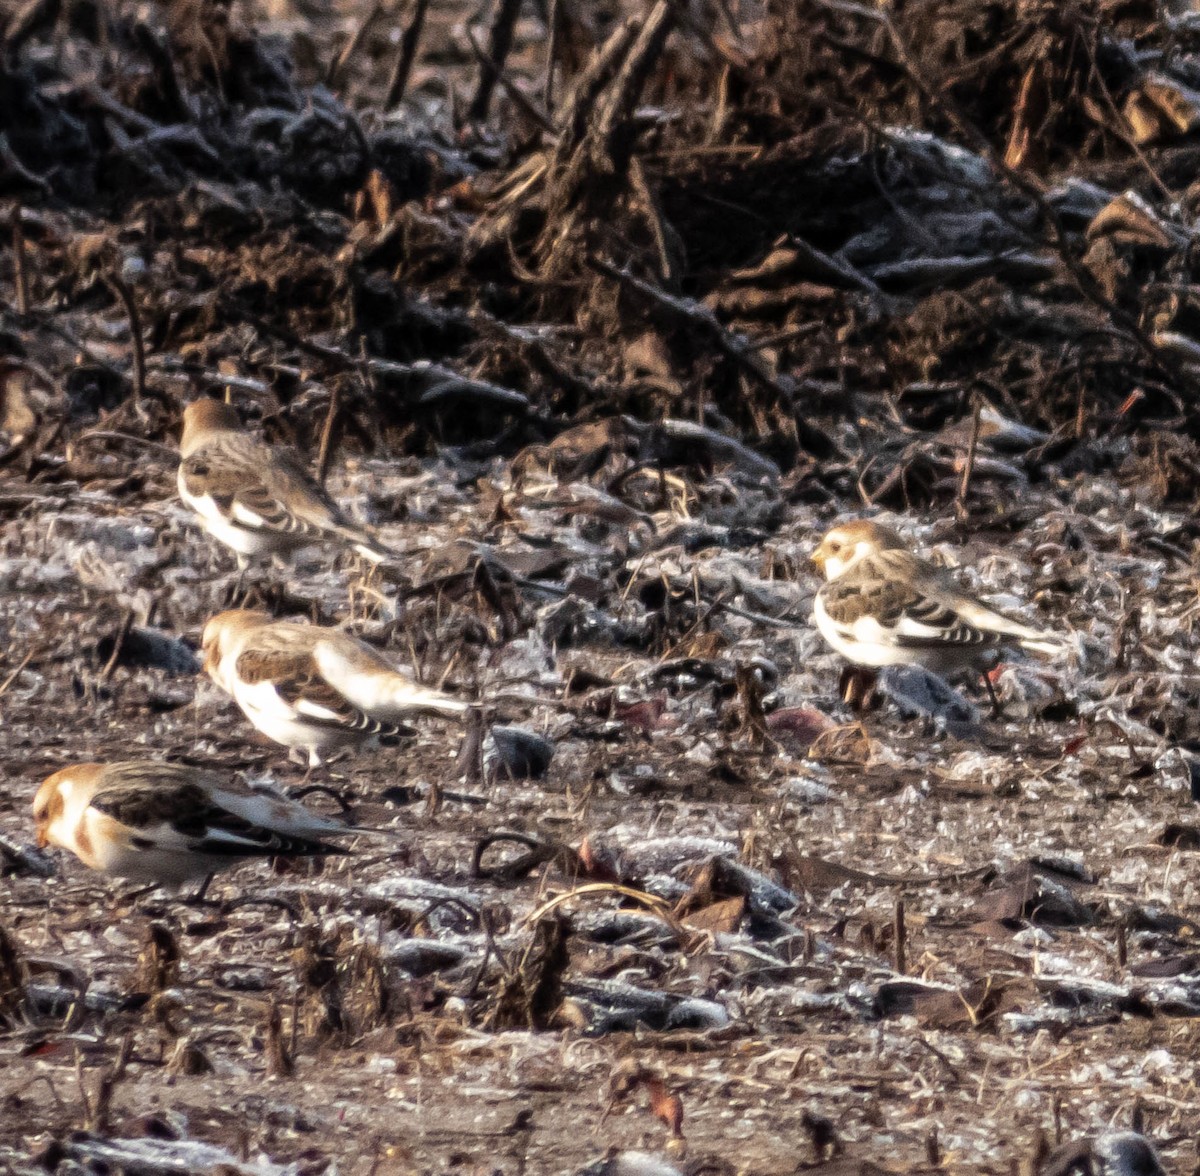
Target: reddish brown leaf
798	727
666	1107
648	714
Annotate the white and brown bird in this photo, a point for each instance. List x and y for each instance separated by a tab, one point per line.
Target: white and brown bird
168	824
311	688
257	498
885	606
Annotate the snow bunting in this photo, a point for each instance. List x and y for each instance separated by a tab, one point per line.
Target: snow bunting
169	824
312	688
254	497
885	606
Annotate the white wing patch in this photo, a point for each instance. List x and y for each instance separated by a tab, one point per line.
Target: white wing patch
261	701
316	711
226	530
907	626
246	517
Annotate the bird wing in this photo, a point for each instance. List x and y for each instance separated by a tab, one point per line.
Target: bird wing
364	677
938	585
296	678
163	810
311	508
895	612
261	804
266	490
976	613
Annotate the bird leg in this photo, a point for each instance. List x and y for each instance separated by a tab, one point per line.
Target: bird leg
198	898
997	708
233	594
857	687
314	762
308	760
133	895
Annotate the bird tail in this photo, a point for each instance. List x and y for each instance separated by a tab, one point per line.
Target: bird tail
376	689
408	698
1049	644
1005	627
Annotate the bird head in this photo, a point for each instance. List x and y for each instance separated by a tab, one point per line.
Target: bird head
844	546
202	418
223	633
53	799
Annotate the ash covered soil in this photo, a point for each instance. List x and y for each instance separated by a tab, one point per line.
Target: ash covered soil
602	355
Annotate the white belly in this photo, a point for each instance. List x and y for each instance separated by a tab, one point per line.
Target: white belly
280	722
860	653
168	866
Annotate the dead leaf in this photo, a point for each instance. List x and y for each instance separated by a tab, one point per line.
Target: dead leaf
717	918
798	727
665	1106
1032	894
647	714
972	1007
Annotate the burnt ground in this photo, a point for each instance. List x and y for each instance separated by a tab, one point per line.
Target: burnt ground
603	359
